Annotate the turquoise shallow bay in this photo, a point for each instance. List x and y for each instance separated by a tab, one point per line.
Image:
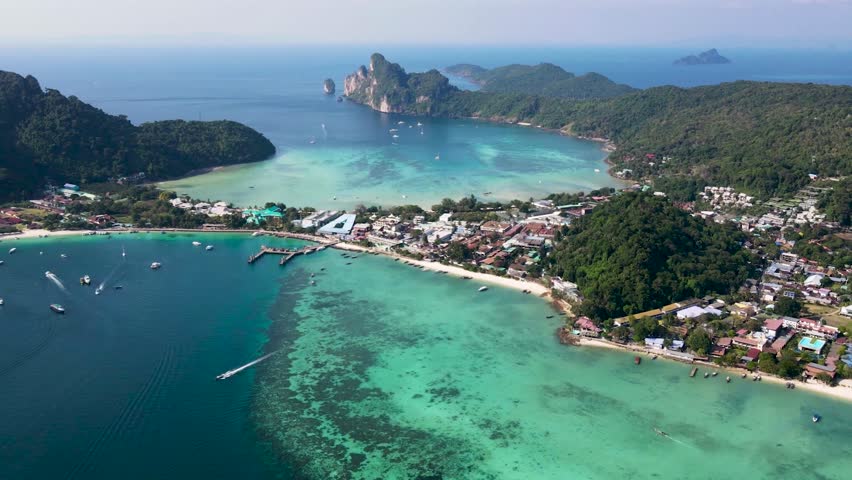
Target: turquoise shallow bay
449	159
383	371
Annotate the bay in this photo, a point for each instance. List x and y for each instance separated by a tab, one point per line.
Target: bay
381	371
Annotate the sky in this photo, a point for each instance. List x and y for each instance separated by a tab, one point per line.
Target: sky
721	23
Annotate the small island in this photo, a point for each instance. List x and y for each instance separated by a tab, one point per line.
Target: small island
328	86
710	57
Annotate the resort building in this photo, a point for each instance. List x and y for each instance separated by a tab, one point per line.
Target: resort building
587	328
340	226
808	344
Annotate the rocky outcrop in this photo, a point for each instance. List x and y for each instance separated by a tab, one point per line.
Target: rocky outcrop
328	86
710	57
386	87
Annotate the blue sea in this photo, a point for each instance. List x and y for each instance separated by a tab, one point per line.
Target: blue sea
339	155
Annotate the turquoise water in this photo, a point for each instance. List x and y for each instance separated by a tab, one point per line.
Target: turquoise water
392	372
382	371
440	159
277	90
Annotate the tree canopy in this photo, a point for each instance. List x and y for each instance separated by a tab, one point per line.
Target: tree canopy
48	135
638	252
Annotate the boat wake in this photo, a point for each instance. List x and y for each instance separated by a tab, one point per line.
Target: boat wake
53	278
231	373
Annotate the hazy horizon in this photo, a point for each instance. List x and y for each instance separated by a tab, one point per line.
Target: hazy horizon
569	23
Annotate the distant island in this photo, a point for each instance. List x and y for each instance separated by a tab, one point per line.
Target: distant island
543	79
710	57
681	138
328	86
46	135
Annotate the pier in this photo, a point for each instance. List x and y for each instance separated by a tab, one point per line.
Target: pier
286	253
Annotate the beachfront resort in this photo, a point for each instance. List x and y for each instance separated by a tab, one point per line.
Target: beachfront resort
791	319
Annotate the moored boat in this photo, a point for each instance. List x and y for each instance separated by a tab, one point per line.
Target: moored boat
156	265
197	243
637	360
483	288
2	302
57	308
208	247
13	250
816	418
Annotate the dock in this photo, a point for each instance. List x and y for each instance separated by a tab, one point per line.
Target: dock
693	372
286	253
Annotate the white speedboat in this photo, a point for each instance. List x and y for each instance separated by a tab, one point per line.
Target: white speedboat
156	265
63	255
2	262
483	288
437	157
208	247
12	250
57	308
2	302
196	244
98	290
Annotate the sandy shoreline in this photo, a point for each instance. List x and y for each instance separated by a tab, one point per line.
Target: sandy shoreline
843	391
534	288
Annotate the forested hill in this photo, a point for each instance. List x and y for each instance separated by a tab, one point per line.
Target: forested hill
639	252
544	79
46	135
760	137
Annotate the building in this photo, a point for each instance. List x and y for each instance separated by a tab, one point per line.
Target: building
340	226
748	342
695	311
742	309
814	369
587	328
815	328
771	327
808	344
656	343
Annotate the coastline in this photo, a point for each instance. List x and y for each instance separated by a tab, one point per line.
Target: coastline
536	289
843	391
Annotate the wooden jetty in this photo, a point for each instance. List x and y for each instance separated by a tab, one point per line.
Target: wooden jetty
286	253
693	372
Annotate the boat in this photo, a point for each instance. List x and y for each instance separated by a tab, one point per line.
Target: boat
393	130
118	287
400	122
483	288
255	234
727	379
57	308
313	282
208	247
437	157
85	280
63	255
715	373
12	250
660	432
196	244
123	253
395	136
597	170
2	262
706	374
637	360
339	99
816	418
419	124
98	290
2	302
156	265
